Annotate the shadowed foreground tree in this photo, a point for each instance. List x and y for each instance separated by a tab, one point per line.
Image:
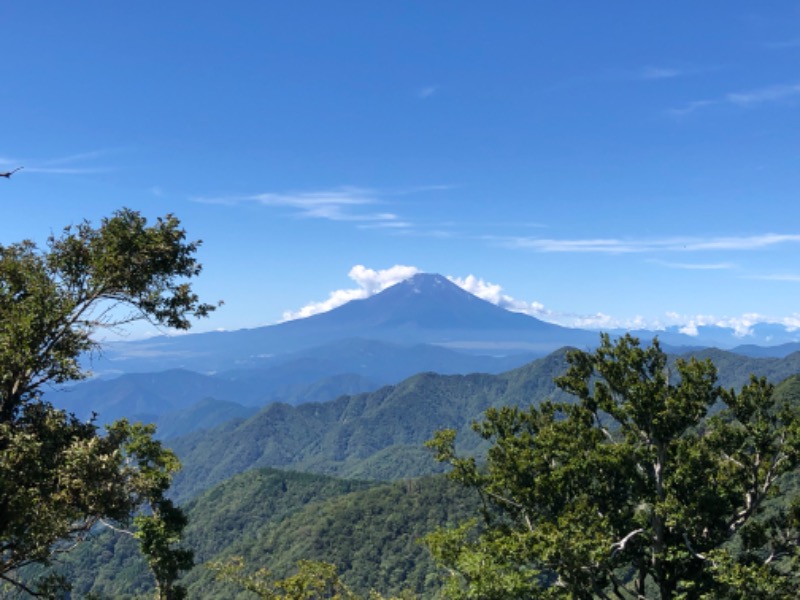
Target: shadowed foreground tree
60	477
632	491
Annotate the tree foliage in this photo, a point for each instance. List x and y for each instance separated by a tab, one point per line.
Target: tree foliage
632	490
60	477
313	580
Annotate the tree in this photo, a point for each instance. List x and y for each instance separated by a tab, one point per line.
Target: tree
314	580
59	476
631	491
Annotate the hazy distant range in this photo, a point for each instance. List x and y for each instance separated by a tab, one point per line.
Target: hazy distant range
423	324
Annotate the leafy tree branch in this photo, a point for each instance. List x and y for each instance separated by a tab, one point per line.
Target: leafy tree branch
59	476
632	490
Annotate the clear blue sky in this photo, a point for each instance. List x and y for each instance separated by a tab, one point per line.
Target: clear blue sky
601	162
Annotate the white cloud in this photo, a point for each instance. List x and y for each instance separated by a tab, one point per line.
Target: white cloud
742	325
376	281
369	282
478	287
492	292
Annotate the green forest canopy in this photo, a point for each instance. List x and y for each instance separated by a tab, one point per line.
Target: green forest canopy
630	491
60	477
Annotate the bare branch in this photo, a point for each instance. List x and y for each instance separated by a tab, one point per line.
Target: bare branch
620	545
117	529
691	549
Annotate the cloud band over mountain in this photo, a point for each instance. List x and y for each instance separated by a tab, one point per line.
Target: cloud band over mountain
372	281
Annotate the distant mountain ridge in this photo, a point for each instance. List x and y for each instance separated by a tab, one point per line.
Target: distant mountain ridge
424	309
313	375
380	434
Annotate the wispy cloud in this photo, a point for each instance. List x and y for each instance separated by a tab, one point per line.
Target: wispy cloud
344	196
340	204
647	73
427	91
602	246
746	99
391	222
621	246
69	170
659	73
740	243
79	157
73	164
695	266
789	277
691	107
793	43
8	162
416	189
347	203
767	94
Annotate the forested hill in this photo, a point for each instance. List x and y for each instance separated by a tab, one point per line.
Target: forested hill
377	435
275	518
380	435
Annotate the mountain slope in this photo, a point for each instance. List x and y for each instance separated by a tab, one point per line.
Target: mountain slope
342	436
381	434
112	566
274	518
426	309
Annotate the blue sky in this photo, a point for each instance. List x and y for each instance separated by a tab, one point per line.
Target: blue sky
589	163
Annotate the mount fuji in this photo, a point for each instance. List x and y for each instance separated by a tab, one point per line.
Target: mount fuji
425	309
